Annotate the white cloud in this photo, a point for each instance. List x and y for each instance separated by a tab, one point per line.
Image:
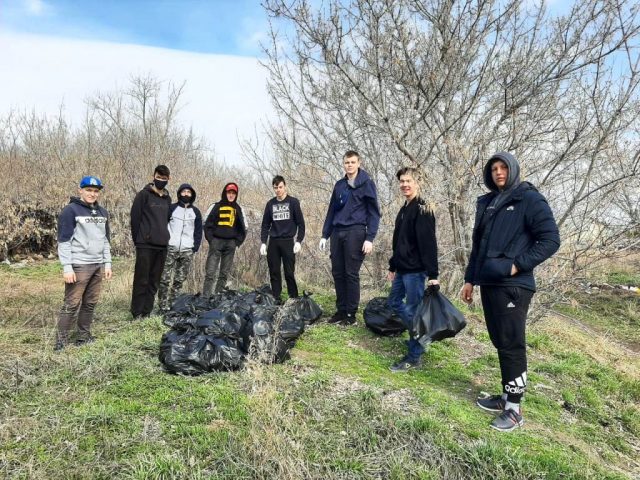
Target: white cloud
36	7
224	96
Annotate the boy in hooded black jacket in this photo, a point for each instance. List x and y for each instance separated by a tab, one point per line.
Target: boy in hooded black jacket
514	232
225	231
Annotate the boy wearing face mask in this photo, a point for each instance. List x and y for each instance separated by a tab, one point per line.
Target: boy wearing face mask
185	229
150	233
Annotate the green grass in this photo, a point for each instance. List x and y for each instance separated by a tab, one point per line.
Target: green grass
108	410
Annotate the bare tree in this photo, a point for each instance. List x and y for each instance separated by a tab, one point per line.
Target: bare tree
443	84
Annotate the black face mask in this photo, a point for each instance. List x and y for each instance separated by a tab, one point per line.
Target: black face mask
185	199
160	184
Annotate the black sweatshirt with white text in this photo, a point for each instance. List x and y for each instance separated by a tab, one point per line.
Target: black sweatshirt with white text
281	219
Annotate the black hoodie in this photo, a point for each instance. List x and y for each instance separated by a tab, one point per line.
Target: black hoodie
226	220
150	218
514	226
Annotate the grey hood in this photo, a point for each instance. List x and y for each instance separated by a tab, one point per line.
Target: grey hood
514	171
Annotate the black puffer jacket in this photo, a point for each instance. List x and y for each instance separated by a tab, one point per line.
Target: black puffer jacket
519	231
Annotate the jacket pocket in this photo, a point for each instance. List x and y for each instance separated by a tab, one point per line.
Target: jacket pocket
497	266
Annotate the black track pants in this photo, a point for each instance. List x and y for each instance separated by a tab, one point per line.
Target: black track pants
505	312
280	250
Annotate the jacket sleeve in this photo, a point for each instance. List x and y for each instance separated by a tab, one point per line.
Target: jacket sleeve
66	227
136	215
241	226
540	222
427	242
373	212
327	228
297	211
106	252
197	230
210	223
470	272
266	223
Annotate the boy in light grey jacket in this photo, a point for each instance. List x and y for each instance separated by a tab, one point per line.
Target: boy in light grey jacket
185	229
85	255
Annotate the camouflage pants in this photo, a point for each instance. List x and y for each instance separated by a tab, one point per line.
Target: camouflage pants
176	266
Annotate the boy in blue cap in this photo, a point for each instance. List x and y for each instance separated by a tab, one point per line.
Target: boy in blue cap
85	255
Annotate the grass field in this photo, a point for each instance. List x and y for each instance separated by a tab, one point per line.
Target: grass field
107	410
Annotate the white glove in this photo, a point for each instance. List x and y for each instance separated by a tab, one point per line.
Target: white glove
263	249
323	244
367	246
296	247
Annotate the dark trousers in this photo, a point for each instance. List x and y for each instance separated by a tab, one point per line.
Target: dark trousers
280	250
221	253
505	313
146	278
80	299
346	260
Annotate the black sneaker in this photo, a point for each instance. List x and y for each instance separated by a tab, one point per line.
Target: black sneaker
404	365
85	340
338	317
508	420
59	345
493	404
349	319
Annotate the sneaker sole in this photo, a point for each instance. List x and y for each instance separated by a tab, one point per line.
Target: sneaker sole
486	409
513	427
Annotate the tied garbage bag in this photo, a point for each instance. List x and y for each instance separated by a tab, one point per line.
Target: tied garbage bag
289	327
193	353
220	324
436	318
381	319
266	346
304	308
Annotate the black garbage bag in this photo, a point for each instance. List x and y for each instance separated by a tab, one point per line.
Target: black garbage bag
260	296
304	308
436	318
181	323
217	298
184	352
381	319
193	353
220	324
263	312
266	346
289	327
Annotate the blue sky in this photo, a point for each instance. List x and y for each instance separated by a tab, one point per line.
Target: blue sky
232	27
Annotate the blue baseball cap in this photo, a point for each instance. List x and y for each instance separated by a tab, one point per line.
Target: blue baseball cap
90	181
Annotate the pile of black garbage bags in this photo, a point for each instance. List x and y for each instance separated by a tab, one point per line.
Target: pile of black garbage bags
218	333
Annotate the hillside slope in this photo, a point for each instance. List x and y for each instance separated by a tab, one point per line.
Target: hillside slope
108	410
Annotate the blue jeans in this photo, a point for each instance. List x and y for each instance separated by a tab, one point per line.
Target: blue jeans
411	286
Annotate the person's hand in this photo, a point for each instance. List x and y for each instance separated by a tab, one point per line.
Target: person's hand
514	269
296	247
391	276
108	273
433	286
466	294
263	249
69	277
367	246
323	244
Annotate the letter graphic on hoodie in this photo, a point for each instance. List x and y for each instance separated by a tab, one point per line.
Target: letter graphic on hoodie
227	216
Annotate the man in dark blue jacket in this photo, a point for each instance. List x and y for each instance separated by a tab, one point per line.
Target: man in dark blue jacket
514	232
352	222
